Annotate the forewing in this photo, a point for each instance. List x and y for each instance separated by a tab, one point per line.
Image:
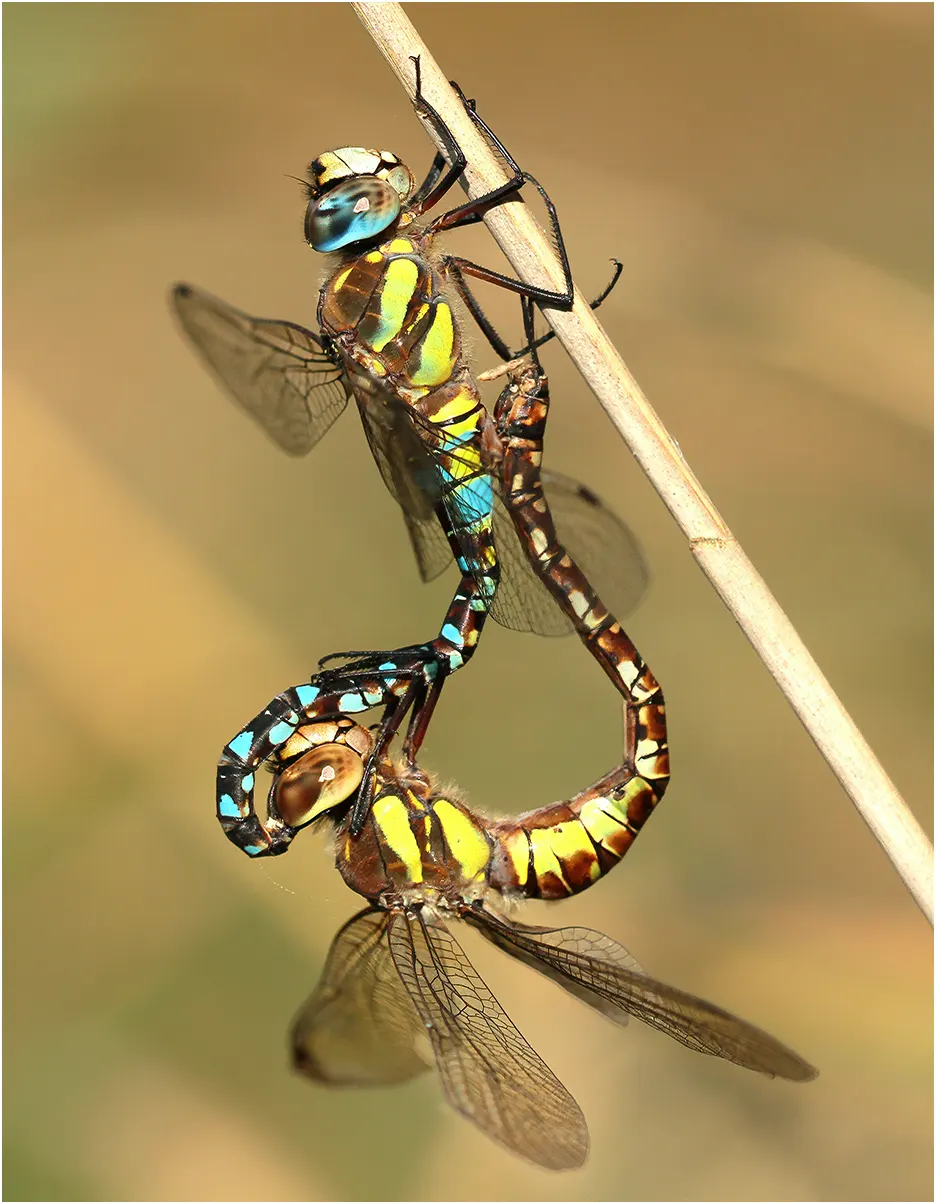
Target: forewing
359	1026
277	371
576	954
411	476
489	1072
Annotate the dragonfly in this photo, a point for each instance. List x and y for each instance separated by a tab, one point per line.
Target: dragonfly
388	338
519	420
398	993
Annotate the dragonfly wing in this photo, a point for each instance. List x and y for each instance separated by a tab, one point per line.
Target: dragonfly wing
359	1026
604	547
570	954
586	941
489	1072
411	476
277	371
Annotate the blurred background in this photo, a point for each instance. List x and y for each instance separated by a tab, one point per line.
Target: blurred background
764	173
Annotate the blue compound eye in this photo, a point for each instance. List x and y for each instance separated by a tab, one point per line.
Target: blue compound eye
354	211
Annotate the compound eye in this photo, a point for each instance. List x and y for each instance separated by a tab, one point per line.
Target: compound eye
324	778
354	211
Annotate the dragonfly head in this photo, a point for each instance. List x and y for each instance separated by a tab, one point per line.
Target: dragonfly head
354	195
319	767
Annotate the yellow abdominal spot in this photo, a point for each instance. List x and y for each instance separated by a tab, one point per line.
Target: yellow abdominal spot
392	819
465	839
544	859
518	849
462	401
596	815
570	840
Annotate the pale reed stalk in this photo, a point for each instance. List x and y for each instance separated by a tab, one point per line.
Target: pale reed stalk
717	551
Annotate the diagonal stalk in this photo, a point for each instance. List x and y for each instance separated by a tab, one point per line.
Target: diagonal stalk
716	550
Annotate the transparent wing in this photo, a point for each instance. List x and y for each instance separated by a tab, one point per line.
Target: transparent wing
277	371
604	547
489	1072
412	477
359	1026
578	958
585	940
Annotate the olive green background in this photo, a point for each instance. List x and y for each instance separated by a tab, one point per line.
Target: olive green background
764	174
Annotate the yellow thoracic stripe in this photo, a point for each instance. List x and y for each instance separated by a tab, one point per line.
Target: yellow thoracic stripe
436	350
392	819
464	837
399	281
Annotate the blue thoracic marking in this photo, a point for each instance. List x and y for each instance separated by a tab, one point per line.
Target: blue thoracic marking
254	849
280	732
240	745
307	694
227	807
351	702
452	634
247	783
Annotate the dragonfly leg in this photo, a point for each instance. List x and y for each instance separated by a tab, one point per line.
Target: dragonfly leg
424	667
487	328
419	723
436	185
473	211
433	175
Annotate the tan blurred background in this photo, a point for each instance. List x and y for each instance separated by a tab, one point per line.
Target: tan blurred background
764	173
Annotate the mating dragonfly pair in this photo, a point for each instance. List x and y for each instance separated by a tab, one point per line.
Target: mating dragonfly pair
471	487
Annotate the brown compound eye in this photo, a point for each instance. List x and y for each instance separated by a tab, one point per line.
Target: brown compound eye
323	778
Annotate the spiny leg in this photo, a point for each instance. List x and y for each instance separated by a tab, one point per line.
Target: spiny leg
487	328
472	211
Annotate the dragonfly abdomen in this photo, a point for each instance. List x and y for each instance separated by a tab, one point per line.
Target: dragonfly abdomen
563	849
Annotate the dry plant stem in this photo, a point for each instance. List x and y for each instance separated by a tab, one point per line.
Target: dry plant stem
718	553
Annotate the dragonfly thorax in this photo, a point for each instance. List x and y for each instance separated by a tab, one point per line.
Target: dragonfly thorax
355	195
